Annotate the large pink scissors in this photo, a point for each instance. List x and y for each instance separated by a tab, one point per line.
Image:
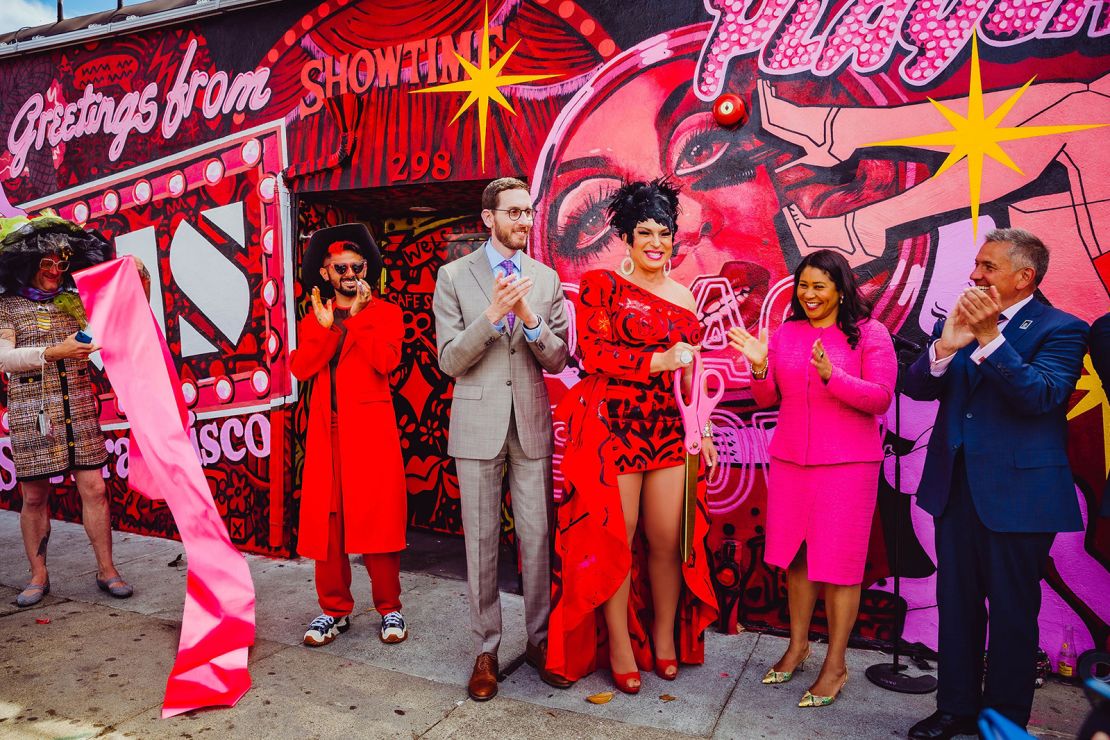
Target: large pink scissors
696	411
695	416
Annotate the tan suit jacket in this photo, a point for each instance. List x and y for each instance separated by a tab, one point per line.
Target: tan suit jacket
497	372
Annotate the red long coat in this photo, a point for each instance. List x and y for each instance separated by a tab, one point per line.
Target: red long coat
372	469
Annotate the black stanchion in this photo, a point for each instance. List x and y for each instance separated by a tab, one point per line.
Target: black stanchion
892	676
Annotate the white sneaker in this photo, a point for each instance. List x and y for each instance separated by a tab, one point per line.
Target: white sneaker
393	628
324	629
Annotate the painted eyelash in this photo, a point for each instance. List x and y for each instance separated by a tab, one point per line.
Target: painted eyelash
578	256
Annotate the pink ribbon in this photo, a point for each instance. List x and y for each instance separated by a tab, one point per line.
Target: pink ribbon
217	626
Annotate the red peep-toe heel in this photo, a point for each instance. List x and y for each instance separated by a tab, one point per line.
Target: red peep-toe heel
663	668
624	681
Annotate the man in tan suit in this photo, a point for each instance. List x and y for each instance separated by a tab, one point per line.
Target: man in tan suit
500	322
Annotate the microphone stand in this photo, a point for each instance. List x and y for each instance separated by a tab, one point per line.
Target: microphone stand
891	676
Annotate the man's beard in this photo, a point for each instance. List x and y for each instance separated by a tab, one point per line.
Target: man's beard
509	238
348	292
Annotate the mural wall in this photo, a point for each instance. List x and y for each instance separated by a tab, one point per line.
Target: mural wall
213	154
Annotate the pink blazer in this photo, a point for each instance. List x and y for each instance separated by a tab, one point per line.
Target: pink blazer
835	422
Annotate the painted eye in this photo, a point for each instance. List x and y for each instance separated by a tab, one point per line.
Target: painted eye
697	143
582	227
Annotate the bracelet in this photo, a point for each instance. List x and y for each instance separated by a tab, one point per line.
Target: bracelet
761	374
707	430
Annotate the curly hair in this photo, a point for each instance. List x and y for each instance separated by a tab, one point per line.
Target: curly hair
639	201
853	309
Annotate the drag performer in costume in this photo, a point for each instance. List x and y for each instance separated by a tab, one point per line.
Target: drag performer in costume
353	498
623	465
52	411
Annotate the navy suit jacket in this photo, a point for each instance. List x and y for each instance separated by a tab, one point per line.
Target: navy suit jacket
1100	358
1009	414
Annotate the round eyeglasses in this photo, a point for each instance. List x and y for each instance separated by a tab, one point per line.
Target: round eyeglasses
514	214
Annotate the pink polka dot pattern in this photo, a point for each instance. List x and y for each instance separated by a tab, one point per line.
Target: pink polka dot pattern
734	35
1069	17
871	43
937	39
793	52
1010	20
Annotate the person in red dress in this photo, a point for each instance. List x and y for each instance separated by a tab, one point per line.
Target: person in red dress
353	498
618	523
831	368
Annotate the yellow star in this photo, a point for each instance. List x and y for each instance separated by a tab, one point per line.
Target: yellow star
977	136
1095	397
484	85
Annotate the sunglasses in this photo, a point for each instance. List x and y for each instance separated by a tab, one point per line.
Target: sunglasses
356	268
48	264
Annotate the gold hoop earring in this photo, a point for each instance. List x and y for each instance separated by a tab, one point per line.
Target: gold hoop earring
627	266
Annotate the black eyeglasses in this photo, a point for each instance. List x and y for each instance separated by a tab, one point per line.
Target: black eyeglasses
355	267
48	264
515	213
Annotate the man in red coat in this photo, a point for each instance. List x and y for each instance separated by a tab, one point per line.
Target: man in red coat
353	496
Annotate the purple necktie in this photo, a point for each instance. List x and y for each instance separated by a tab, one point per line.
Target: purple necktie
510	269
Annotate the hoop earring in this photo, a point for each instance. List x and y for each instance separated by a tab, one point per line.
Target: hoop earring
667	269
627	266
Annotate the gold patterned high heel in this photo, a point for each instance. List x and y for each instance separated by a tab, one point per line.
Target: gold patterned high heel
810	699
772	676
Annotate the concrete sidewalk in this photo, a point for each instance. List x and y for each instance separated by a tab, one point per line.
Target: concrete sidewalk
98	667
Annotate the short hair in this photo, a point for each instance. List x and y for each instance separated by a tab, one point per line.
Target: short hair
493	191
636	202
1026	250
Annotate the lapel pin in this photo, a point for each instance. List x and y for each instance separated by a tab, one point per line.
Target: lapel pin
1026	324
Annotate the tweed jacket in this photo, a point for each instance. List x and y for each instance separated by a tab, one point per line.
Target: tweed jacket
497	372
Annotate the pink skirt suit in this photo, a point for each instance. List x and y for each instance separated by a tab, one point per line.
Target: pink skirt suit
826	451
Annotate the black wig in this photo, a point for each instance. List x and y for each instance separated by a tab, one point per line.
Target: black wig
636	202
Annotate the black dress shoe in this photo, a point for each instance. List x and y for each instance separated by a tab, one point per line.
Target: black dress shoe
942	725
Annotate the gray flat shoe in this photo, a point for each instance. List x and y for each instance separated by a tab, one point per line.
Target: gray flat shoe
115	586
32	594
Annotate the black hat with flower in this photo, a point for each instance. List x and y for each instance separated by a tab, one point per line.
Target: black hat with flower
25	241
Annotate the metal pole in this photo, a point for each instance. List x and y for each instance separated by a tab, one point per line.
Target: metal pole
61	15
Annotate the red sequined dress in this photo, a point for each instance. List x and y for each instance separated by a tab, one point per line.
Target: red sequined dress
620	419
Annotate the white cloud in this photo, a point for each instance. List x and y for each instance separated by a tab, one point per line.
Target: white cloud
16	14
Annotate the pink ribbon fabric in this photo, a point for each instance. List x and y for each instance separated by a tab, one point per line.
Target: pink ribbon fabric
217	626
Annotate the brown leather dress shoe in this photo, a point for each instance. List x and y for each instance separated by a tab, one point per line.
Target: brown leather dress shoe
536	656
483	681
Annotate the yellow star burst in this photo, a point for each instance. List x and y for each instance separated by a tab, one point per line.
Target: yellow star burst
977	136
484	85
1093	398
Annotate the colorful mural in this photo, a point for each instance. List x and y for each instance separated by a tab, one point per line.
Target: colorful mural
213	154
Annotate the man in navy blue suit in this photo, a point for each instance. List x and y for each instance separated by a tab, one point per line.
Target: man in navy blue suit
996	476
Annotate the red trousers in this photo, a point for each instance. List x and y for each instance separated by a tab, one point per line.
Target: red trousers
333	576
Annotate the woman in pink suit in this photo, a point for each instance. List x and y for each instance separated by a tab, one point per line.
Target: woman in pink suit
831	369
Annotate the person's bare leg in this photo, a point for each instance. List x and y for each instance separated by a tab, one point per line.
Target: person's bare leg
97	518
841	605
662	506
34	524
801	594
621	658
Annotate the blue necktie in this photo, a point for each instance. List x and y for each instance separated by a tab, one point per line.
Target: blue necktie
510	269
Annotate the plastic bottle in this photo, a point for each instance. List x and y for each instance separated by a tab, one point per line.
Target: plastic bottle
1065	661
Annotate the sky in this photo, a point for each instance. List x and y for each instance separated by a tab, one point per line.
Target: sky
15	14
